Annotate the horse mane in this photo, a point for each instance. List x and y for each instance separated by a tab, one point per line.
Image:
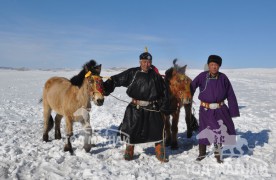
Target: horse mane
179	69
77	80
168	74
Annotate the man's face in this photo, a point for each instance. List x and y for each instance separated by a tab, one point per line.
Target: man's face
213	67
145	64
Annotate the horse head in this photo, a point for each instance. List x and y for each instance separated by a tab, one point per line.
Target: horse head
95	82
179	83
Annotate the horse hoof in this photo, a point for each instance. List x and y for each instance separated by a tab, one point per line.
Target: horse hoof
45	137
174	146
87	147
58	136
68	148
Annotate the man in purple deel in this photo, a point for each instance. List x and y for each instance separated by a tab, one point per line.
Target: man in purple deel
215	118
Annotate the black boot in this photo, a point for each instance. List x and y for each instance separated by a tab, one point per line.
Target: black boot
218	153
202	152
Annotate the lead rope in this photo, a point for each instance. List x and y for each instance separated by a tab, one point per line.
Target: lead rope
139	107
164	139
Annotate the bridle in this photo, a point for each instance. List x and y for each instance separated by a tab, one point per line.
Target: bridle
95	83
98	85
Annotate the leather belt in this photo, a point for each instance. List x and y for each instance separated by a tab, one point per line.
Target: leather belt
211	105
142	103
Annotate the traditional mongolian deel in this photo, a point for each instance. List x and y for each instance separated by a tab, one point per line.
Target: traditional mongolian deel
142	123
213	92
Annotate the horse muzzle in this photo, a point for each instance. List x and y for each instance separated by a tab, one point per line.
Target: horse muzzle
186	101
99	102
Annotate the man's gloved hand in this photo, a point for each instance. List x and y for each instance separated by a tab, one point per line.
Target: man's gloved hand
108	87
105	93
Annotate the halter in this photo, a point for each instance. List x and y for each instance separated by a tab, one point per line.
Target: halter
98	85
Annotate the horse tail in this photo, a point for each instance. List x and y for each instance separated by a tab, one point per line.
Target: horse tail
40	101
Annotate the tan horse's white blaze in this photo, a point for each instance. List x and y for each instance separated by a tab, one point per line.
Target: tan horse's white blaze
72	103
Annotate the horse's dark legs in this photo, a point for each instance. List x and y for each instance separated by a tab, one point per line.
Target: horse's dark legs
48	122
168	130
174	128
188	118
57	126
69	133
68	146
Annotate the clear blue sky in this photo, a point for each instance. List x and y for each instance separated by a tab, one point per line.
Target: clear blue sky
67	33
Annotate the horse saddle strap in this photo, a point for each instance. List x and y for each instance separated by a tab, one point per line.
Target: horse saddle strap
212	105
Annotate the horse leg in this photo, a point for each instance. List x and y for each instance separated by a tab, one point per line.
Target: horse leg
87	132
168	130
57	126
69	134
188	116
174	128
48	120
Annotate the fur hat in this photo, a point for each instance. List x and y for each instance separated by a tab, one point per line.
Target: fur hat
146	55
214	58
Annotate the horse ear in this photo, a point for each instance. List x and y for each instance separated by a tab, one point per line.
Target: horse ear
182	70
174	63
98	69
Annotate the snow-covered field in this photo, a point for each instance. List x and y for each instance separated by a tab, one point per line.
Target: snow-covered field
23	154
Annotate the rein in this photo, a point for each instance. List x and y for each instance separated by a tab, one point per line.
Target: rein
139	107
95	83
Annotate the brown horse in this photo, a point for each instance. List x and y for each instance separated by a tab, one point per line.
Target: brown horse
180	95
71	99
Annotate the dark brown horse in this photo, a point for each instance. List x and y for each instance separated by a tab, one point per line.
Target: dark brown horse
180	96
71	99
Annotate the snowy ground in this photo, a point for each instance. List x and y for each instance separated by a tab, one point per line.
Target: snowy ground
23	154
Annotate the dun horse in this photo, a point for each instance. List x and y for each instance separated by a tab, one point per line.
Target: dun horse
180	95
71	99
